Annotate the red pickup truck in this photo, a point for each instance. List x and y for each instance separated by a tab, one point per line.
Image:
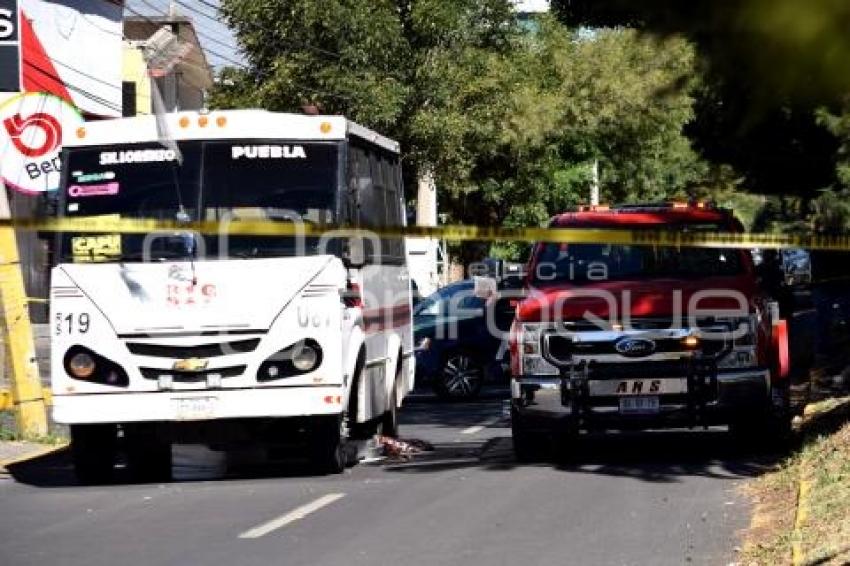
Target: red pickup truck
611	336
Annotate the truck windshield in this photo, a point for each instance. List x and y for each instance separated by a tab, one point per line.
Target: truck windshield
588	263
215	181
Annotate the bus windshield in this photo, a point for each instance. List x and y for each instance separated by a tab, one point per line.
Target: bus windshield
214	181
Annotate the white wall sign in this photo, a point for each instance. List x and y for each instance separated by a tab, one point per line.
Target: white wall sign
32	126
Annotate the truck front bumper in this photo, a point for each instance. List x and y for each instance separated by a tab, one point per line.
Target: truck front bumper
541	400
213	404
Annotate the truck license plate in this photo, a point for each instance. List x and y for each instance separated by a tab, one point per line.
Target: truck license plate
639	405
194	408
638	387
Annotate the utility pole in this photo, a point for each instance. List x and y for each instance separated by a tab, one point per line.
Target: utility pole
594	183
25	381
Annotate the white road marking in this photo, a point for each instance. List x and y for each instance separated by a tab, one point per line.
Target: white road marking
481	426
292	516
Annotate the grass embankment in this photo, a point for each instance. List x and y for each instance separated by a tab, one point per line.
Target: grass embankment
803	508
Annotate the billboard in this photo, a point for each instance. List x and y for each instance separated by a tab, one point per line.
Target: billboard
10	47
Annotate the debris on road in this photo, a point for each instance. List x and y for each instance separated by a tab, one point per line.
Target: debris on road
403	449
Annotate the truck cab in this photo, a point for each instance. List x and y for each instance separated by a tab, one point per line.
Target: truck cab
613	336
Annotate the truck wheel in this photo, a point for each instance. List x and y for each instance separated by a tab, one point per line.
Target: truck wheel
764	431
148	454
327	445
460	377
93	448
527	448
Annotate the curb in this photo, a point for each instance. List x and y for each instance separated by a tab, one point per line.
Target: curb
797	554
32	454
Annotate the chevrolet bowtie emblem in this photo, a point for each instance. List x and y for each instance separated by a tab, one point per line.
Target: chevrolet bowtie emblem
191	364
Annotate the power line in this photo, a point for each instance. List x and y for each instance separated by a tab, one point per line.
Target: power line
52	76
229	59
300	44
195	25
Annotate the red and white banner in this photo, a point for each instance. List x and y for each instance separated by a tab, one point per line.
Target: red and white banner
72	49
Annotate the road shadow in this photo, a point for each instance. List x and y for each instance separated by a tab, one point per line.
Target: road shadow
191	463
425	408
653	456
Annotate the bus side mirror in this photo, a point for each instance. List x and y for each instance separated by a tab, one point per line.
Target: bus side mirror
485	287
353	252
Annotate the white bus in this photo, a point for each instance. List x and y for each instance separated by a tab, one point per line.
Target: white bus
228	340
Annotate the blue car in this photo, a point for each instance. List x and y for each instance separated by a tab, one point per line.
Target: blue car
456	352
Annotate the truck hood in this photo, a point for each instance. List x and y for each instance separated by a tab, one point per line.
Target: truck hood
221	295
642	299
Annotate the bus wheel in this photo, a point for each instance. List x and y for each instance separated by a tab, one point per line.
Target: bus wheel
327	445
389	422
148	453
93	448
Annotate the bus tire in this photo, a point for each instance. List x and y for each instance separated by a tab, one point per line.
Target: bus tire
148	453
389	422
327	445
93	449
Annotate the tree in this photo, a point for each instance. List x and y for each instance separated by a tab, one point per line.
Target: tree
768	66
508	121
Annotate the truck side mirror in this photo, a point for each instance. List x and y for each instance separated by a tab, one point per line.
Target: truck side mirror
797	267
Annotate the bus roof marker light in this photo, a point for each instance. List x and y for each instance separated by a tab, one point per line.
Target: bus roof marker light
221	121
325	127
184	122
203	121
81	132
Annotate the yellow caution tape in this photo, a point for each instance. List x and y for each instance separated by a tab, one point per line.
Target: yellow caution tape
457	233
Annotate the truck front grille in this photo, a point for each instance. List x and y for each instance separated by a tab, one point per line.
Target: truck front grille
639	370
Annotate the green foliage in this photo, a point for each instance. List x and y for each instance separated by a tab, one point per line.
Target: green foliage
766	66
509	122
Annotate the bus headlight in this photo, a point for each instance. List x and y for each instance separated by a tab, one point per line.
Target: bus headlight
305	358
81	365
85	365
301	357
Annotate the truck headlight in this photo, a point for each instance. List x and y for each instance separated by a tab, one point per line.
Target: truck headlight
738	359
531	356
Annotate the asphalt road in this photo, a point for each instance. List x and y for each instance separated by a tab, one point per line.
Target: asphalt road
660	498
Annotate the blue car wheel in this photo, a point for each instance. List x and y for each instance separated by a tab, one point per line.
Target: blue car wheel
460	376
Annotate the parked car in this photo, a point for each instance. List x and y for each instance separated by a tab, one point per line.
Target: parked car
455	351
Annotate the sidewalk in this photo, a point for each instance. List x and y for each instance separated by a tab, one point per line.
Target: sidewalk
15	451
